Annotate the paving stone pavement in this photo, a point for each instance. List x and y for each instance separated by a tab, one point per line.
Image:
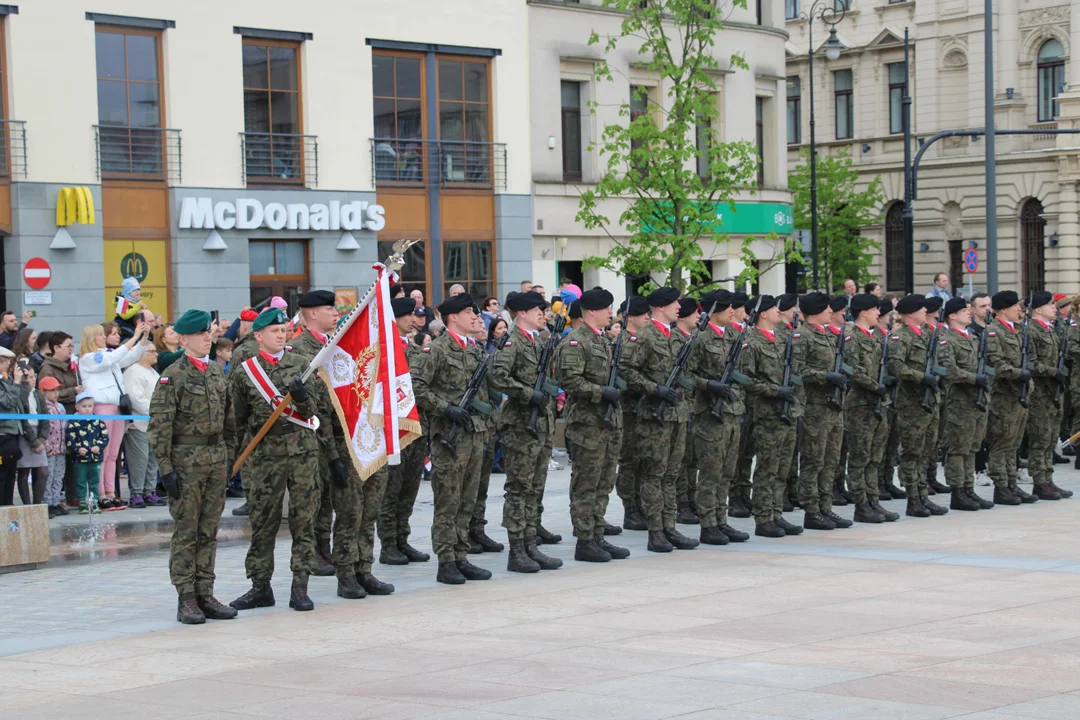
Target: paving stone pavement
971	615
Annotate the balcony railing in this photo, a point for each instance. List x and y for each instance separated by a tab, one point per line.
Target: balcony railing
279	159
138	153
13	149
445	163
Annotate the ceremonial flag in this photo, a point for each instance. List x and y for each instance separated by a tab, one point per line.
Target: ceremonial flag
363	364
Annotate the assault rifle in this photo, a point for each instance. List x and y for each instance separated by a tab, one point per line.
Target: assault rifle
982	369
1025	356
675	376
789	346
731	373
543	369
613	374
932	368
469	400
839	366
1063	355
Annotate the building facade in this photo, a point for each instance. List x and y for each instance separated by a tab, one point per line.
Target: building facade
858	108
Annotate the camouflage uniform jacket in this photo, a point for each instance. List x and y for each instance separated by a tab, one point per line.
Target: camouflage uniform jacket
907	363
961	360
1003	354
762	361
1044	359
863	354
244	348
441	378
783	332
193	403
630	398
816	347
514	374
307	346
649	366
707	361
583	367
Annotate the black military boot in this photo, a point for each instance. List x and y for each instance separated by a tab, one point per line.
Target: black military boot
915	507
478	536
323	566
518	560
865	513
841	484
610	529
213	609
373	585
1045	492
713	536
546	537
793	499
1061	491
838	498
449	574
686	516
412	554
883	490
889	515
732	534
932	482
349	588
658	542
1025	497
933	507
546	562
242	509
260	595
392	555
298	598
982	502
633	520
680	541
787	527
769	530
841	522
816	521
961	501
187	610
616	552
473	572
588	551
897	492
1003	495
1076	464
737	507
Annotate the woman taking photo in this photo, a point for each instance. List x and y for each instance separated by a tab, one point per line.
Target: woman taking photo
12	400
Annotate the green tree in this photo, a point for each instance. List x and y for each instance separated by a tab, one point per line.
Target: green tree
843	252
650	161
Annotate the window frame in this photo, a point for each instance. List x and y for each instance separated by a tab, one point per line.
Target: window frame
567	115
895	259
899	99
490	142
849	101
759	137
795	100
281	280
635	114
424	139
300	180
446	283
1052	68
791	9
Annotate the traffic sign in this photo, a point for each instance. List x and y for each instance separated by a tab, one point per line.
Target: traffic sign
971	260
37	273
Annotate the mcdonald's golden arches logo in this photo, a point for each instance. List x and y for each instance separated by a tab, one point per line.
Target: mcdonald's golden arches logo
74	205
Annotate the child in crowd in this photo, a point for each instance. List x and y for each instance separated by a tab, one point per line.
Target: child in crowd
86	439
55	447
224	353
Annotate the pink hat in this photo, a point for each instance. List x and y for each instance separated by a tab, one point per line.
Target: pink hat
278	302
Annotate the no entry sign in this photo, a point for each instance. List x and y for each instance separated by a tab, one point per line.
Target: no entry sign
37	273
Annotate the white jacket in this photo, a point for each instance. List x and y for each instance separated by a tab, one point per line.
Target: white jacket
101	372
140	383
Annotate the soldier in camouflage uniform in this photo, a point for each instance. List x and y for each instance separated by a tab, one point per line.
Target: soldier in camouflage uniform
716	440
514	373
244	348
288	456
907	363
661	421
840	325
762	361
934	437
628	483
1008	418
684	475
889	441
739	494
593	424
479	541
815	345
192	436
440	383
788	306
1044	414
965	423
403	481
865	411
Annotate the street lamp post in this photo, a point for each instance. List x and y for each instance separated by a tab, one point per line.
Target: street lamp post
830	12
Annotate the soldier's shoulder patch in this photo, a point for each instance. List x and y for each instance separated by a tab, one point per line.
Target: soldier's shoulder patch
633	338
507	343
745	345
798	335
573	343
426	349
848	338
943	342
288	348
895	337
164	381
991	334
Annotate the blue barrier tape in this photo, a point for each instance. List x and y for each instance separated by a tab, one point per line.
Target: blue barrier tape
25	416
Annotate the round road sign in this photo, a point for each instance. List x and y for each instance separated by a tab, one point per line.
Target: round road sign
37	273
971	260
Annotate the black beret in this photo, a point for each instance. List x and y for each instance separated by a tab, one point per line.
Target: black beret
662	297
955	305
739	299
838	303
1004	299
933	303
787	301
762	303
637	306
814	303
865	301
688	307
403	306
395	289
596	300
456	304
575	310
885	306
1040	298
526	301
317	298
910	304
720	298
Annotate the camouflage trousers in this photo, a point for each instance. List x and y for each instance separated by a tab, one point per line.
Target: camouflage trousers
740	486
270	475
840	474
865	439
1044	421
324	517
1004	431
792	483
345	506
628	481
772	440
935	441
479	510
196	515
686	481
886	461
716	446
965	428
402	485
370	504
592	475
819	458
455	475
915	430
526	464
661	446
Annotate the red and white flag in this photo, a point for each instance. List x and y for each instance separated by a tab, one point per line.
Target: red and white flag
364	366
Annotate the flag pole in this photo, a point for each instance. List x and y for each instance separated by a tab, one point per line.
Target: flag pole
393	263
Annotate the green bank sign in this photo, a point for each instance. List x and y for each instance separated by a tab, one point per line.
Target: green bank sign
752	218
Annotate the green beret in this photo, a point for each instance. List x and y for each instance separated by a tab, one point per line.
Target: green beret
192	322
273	316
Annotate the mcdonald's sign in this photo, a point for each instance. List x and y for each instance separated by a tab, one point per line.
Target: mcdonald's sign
74	205
134	265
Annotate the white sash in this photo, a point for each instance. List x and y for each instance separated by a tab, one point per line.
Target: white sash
270	394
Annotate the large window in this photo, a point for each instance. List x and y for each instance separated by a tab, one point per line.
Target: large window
791	9
1051	78
895	259
414	273
278	268
843	85
1032	246
897	83
759	120
794	110
397	82
464	111
129	101
468	263
571	130
273	148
